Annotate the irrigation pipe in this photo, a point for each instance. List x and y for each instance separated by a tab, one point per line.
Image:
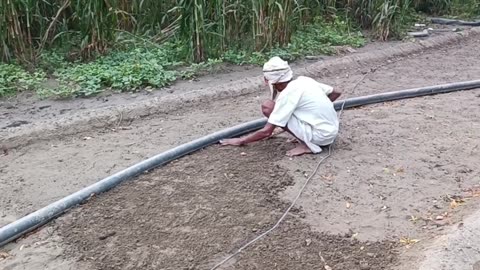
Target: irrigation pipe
40	217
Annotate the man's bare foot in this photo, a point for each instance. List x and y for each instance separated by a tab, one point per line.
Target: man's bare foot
299	150
276	132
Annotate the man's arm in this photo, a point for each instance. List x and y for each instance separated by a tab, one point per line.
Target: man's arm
261	134
334	95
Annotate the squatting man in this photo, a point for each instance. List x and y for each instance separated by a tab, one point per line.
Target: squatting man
303	107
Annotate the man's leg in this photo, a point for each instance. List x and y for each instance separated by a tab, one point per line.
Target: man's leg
301	149
267	109
303	133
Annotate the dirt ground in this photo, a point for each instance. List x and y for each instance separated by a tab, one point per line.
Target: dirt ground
397	167
393	173
191	213
383	183
39	173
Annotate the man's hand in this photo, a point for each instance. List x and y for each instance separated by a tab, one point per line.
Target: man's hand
277	131
261	134
234	142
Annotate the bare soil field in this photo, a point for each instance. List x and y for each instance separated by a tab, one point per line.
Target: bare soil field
402	170
395	173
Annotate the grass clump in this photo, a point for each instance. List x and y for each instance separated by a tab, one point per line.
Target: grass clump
130	68
118	71
14	78
314	39
126	70
462	9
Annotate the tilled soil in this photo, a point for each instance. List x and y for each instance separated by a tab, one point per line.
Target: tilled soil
399	169
192	213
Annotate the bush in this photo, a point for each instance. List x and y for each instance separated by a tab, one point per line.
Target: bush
14	78
314	39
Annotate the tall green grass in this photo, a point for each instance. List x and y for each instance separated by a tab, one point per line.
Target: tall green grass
125	45
206	28
462	8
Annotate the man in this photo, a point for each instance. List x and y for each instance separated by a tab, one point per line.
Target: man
303	107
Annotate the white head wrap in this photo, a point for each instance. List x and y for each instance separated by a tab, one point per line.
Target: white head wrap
277	71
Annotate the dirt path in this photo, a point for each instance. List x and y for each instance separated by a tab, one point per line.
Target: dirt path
28	108
48	171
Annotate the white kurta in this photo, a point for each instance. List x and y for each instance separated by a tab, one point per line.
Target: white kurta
305	109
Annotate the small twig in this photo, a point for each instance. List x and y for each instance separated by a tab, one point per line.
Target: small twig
359	81
120	120
111	168
4	150
371	71
93	165
107	235
325	265
189	218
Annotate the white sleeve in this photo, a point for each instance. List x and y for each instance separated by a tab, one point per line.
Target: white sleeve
285	105
327	89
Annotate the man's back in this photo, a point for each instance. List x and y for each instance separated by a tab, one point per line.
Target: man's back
303	108
307	100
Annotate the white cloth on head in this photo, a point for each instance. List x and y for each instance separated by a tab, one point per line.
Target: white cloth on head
273	92
277	71
327	89
305	109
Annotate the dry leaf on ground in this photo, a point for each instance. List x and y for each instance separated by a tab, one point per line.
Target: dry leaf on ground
408	241
4	255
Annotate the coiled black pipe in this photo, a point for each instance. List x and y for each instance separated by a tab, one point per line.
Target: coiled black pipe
40	217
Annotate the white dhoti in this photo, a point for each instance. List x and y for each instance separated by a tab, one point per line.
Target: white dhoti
303	98
312	137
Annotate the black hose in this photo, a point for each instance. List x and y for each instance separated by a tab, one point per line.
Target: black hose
410	93
40	217
454	22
